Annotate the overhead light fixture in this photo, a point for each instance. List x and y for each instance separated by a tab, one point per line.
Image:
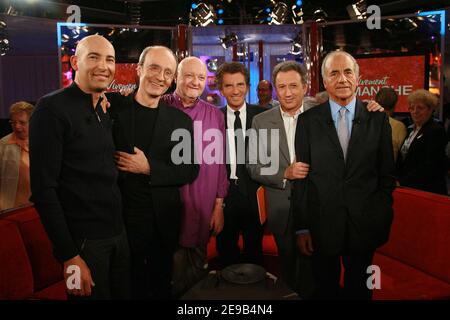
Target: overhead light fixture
358	10
296	46
202	14
229	40
320	15
4	42
297	14
212	64
279	14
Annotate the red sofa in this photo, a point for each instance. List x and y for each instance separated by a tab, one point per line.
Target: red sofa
415	263
28	269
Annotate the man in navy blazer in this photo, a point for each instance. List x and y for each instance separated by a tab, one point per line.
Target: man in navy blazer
343	208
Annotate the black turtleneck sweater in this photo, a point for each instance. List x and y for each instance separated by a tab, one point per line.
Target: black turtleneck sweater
72	171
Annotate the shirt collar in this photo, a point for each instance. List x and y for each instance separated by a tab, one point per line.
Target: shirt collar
180	102
242	110
336	107
296	114
22	144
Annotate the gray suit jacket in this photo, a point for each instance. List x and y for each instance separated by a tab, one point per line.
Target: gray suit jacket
277	193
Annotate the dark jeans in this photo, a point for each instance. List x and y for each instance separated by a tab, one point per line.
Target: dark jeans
109	263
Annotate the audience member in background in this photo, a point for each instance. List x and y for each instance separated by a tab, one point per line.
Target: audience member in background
15	160
422	161
319	98
265	95
387	98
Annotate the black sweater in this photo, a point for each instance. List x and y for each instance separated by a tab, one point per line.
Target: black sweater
72	171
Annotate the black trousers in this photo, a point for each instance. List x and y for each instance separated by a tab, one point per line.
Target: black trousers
151	258
240	214
327	271
109	263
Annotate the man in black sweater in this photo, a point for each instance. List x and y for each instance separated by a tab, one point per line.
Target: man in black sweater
144	127
74	178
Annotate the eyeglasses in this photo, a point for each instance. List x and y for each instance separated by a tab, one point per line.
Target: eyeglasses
18	123
155	69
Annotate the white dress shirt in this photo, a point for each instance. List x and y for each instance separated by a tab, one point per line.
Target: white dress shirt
230	134
290	125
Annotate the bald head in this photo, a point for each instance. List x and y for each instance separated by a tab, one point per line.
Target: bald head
191	79
89	42
192	62
264	92
94	63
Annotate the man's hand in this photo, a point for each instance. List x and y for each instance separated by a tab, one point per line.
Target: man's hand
373	106
105	103
297	170
135	163
304	242
86	281
126	92
217	219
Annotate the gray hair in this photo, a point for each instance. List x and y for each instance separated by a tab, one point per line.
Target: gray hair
334	53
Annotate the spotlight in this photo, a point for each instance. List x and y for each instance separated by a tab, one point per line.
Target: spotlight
358	11
4	42
279	14
212	65
229	40
65	38
297	14
4	46
320	15
296	46
202	15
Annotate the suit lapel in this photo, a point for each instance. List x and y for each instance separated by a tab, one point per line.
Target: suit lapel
277	123
358	126
328	125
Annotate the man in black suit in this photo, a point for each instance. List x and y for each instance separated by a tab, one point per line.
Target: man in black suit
241	208
150	176
343	208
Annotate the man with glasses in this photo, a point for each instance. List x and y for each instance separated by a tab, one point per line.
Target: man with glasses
149	178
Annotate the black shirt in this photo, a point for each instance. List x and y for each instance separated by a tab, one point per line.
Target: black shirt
136	189
72	171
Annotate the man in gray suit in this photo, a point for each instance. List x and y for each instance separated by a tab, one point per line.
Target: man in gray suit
280	123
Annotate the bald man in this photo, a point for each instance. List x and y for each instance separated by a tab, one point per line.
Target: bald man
74	178
264	92
203	198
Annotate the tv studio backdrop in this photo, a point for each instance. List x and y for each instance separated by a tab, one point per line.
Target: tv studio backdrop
407	53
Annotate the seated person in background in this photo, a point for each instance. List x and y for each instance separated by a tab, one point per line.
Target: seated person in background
387	98
422	163
14	159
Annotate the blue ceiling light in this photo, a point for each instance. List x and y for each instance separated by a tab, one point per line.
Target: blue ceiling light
268	10
220	21
299	3
220	11
194	6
